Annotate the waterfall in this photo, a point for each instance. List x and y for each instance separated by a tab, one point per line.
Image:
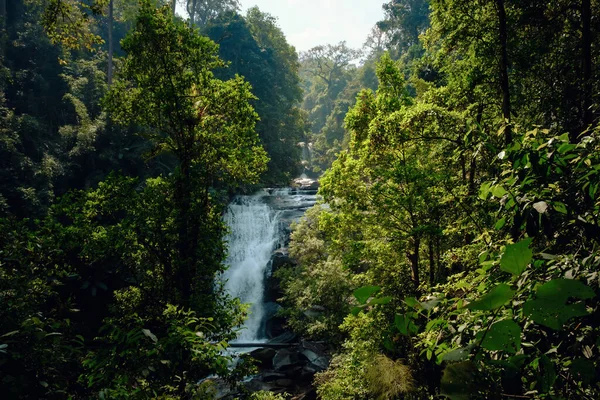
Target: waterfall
258	225
254	234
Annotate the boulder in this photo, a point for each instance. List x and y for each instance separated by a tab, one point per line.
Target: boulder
272	376
279	259
284	382
264	356
284	358
315	353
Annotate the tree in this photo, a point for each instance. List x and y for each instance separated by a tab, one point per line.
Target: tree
257	49
201	12
167	86
404	21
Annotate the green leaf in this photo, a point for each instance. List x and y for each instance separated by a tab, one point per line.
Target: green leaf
401	322
459	354
500	223
552	312
560	207
503	336
362	294
412	302
516	257
459	381
484	190
494	299
380	300
565	148
356	310
429	304
498	191
562	289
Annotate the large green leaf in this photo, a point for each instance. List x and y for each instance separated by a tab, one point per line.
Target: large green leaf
431	303
494	299
362	294
380	300
459	354
516	257
562	289
401	322
504	336
552	312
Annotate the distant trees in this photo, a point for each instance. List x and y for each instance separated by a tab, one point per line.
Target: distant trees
257	50
201	12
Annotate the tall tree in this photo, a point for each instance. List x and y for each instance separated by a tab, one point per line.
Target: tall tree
167	86
504	84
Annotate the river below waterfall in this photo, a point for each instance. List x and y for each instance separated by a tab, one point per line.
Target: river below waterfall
259	225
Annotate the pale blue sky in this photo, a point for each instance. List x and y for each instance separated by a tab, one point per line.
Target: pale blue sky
309	23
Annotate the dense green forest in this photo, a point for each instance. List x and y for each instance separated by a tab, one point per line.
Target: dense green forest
454	252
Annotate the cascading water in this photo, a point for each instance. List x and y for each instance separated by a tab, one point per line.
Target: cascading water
254	233
258	225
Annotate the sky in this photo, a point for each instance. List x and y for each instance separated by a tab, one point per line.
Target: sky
309	23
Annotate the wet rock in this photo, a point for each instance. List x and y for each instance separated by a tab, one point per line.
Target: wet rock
315	353
305	183
275	327
273	289
321	363
279	260
257	385
283	358
293	371
272	376
264	356
284	382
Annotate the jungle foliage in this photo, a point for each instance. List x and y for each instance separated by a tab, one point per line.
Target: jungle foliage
457	242
111	196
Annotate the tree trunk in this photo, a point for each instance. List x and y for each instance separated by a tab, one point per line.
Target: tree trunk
414	262
586	38
110	42
173	6
191	9
503	35
185	243
431	262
